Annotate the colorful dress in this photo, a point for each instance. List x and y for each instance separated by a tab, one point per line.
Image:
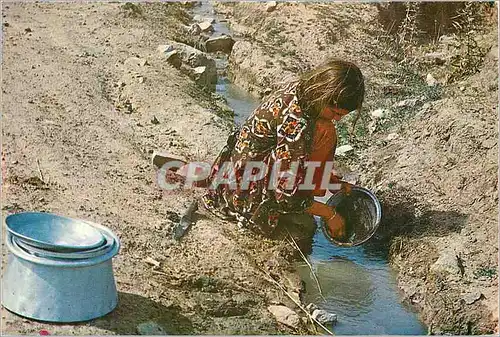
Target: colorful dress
279	132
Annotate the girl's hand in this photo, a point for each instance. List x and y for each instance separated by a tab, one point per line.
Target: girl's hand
336	227
346	188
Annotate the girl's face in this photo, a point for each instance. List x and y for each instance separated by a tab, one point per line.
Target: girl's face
336	113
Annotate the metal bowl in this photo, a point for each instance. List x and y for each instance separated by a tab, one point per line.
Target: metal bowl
362	213
54	232
59	290
86	254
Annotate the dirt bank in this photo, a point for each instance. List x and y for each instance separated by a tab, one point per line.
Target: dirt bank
429	151
86	99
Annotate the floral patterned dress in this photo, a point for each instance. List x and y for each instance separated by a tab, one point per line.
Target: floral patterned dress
280	132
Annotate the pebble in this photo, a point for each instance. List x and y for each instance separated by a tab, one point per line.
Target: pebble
431	81
324	317
472	297
150	328
285	315
392	136
206	26
271	6
379	113
344	150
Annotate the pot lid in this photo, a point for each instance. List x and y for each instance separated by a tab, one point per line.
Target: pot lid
54	232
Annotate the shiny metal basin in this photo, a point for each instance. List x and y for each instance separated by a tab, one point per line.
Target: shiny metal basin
57	289
54	232
362	212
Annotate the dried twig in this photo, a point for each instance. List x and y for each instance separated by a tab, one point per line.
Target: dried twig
39	170
308	264
269	278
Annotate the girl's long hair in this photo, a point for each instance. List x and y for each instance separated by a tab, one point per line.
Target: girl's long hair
336	83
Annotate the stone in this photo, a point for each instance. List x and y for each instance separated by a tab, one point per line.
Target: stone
158	159
194	58
379	113
165	48
271	6
150	329
149	260
324	317
206	26
155	120
285	315
392	136
472	297
447	262
344	150
407	103
223	43
431	81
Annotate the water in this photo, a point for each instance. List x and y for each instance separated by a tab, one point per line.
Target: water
359	286
357	283
241	101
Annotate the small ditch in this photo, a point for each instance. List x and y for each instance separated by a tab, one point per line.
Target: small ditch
357	283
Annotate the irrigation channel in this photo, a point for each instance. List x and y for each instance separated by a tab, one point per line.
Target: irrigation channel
357	283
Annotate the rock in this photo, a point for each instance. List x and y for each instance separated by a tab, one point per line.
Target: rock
472	297
431	81
446	263
407	103
311	307
165	48
150	329
324	317
379	113
392	136
158	159
344	150
223	43
271	6
155	120
206	26
198	18
194	57
285	315
151	261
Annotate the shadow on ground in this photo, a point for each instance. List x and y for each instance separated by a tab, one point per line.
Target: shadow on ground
404	215
133	310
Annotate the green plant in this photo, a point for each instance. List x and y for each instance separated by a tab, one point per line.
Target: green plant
132	9
470	55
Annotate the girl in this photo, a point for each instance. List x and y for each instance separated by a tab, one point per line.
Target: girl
292	129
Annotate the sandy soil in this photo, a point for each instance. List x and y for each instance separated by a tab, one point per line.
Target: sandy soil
436	174
77	103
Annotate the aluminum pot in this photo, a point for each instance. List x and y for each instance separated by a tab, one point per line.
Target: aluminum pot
367	208
59	290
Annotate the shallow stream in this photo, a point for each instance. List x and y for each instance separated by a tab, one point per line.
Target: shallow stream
357	283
